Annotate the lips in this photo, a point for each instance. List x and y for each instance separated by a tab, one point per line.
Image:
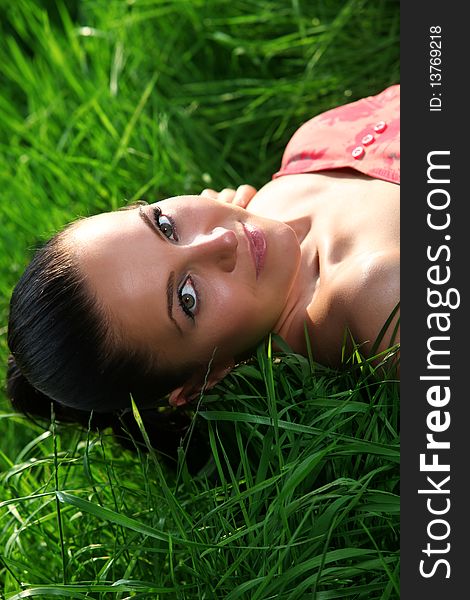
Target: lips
257	243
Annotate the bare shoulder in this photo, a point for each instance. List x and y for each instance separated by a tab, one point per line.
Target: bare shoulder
357	302
372	291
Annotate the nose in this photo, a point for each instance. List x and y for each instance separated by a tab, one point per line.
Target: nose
218	247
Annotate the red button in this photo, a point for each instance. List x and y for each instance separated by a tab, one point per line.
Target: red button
358	152
368	139
380	127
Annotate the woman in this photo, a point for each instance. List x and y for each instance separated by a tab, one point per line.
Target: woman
166	298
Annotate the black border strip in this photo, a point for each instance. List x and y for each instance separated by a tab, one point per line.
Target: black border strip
435	258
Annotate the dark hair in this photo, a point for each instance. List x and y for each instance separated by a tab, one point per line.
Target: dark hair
63	342
64	350
165	427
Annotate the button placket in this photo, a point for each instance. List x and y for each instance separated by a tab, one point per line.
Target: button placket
368	139
380	127
358	152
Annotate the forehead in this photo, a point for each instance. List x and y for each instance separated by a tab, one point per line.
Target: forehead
124	265
87	231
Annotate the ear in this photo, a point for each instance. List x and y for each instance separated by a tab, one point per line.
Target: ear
192	388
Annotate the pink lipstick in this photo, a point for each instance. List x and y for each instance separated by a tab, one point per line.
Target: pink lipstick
257	242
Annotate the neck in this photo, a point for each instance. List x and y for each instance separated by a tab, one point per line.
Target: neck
301	226
306	284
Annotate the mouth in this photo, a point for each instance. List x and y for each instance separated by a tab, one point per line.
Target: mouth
257	243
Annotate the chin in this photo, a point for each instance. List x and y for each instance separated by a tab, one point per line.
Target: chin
290	250
289	238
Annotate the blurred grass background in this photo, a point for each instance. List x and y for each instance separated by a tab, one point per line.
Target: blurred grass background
102	103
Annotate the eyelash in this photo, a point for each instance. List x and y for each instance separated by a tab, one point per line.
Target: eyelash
187	311
157	214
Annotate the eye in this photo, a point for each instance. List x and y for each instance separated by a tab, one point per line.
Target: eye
165	224
188	298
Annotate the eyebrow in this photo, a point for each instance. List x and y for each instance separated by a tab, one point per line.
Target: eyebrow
170	285
169	299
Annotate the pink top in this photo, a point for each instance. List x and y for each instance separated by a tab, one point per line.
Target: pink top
363	135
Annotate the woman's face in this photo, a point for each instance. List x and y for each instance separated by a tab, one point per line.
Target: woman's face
189	275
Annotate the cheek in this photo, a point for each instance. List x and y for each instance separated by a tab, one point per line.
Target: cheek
238	319
232	299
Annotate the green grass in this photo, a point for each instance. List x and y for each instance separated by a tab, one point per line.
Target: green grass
104	102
